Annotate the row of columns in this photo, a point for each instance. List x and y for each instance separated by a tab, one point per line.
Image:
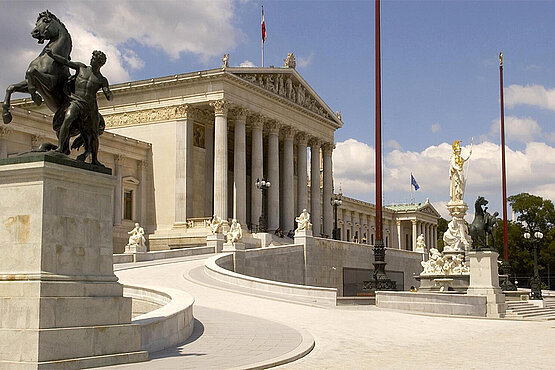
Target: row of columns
428	229
281	202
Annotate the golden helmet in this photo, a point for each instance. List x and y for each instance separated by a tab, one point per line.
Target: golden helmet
456	145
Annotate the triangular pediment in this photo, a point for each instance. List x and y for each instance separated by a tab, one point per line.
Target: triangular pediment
429	209
288	84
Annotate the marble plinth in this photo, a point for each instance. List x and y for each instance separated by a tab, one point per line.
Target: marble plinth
60	301
233	247
484	280
217	241
303	237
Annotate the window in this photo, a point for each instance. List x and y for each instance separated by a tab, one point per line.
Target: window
128	204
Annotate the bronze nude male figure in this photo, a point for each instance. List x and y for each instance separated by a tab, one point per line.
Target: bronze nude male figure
81	111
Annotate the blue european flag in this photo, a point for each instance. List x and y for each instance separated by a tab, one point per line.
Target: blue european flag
413	182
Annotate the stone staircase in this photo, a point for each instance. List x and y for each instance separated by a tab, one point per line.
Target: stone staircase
527	310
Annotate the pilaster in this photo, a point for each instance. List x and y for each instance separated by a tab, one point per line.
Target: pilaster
184	166
118	163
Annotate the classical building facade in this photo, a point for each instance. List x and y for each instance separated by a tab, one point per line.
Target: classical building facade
186	147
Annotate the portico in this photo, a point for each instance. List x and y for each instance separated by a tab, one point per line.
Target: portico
225	128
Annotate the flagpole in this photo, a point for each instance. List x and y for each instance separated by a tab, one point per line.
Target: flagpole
262	53
503	170
411	193
263	29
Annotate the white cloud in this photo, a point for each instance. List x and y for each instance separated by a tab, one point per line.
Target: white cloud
517	129
436	127
531	170
247	63
393	144
303	62
203	28
534	95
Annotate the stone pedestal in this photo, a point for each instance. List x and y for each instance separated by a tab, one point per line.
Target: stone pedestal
302	235
265	239
135	248
484	280
217	241
233	247
60	302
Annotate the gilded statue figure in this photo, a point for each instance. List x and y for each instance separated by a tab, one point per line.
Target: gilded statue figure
456	173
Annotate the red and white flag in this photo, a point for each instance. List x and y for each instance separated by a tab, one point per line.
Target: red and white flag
263	26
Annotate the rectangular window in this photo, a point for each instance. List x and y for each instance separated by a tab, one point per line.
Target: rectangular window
128	204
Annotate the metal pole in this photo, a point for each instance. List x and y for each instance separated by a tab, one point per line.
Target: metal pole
378	139
503	170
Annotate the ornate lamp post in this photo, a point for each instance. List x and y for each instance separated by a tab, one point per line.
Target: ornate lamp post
336	202
263	185
535	282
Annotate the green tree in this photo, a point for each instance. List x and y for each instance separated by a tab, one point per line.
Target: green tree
534	214
441	229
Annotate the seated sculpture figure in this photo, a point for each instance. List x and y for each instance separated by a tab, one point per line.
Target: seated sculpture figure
216	224
235	233
420	243
137	238
303	221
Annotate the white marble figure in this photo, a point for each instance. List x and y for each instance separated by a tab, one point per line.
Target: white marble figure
225	59
420	243
456	237
456	174
290	62
235	233
303	221
216	225
137	238
439	264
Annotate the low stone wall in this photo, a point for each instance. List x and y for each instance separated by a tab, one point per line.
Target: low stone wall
326	259
213	268
157	255
280	263
437	303
170	324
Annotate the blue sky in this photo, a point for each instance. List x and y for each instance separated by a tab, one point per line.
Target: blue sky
440	76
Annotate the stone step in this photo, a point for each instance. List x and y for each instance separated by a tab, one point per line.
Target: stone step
532	309
539	314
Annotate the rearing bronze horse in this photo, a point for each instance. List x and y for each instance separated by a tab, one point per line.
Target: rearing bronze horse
45	78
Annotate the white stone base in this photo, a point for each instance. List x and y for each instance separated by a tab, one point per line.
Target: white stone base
60	301
135	248
484	280
303	237
217	241
233	247
265	239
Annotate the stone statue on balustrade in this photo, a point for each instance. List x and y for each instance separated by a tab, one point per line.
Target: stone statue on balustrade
235	233
216	225
137	241
303	221
420	243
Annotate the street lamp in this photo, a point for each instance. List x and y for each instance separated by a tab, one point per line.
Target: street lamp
535	282
263	185
336	202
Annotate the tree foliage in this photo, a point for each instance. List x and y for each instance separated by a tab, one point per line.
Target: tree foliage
441	229
534	214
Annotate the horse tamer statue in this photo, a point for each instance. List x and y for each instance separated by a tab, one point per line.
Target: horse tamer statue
71	98
483	225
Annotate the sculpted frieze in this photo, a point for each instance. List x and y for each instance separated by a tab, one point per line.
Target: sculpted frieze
284	86
148	116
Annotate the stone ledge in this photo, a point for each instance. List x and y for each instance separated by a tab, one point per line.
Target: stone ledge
323	295
168	325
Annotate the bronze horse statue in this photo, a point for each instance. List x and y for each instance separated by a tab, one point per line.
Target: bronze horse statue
45	79
483	224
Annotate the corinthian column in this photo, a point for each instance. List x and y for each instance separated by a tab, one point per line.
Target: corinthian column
287	193
414	234
315	198
302	195
257	160
184	166
328	189
220	158
239	168
273	175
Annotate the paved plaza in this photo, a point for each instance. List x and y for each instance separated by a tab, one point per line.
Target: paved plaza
242	330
